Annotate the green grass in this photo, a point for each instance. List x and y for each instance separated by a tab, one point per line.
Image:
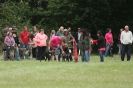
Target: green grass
34	74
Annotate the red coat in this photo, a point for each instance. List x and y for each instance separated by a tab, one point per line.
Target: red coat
24	37
55	41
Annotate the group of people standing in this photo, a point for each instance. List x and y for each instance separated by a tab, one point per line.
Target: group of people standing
63	45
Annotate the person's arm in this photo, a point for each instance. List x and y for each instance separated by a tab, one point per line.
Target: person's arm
94	42
36	39
20	38
131	38
29	35
71	39
121	37
13	42
47	41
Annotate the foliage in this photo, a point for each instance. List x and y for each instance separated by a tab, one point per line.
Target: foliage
91	14
14	14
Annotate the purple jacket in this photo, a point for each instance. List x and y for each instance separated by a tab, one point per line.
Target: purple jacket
9	41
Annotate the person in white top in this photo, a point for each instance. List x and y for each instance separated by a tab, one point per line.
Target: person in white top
126	39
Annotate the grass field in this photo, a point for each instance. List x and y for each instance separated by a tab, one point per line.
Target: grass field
34	74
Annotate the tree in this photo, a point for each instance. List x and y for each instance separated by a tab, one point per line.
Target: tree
14	14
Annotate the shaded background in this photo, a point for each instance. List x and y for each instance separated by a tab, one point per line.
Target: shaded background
92	15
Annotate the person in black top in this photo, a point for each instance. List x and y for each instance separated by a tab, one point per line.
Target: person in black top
101	45
16	38
17	44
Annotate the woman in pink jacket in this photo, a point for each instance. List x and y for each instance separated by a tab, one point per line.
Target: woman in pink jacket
41	43
109	42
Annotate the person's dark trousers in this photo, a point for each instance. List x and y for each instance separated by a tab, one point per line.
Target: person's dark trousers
83	55
47	54
126	49
34	52
69	54
9	53
41	53
59	57
101	53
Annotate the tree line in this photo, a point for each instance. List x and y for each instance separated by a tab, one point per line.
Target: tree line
91	14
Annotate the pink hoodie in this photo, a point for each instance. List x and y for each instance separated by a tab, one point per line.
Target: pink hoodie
55	41
40	39
109	38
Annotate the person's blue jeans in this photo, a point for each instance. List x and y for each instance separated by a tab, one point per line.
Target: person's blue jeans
23	47
17	56
85	56
108	49
101	53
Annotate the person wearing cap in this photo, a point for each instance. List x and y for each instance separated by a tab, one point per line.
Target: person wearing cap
68	45
126	39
